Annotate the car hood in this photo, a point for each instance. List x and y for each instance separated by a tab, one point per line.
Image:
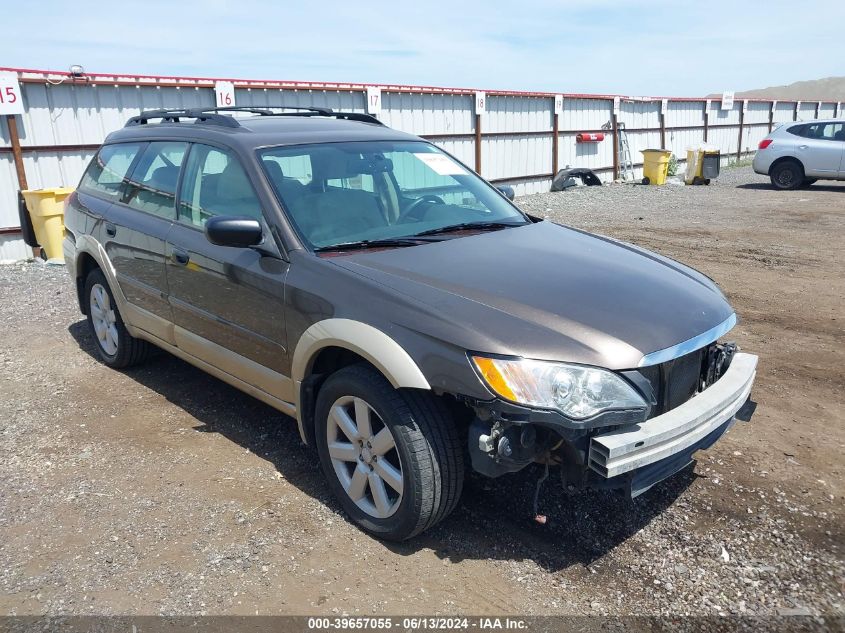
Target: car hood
549	292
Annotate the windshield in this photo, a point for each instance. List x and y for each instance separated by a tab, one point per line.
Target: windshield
339	193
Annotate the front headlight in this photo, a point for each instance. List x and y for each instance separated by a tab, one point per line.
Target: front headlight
577	391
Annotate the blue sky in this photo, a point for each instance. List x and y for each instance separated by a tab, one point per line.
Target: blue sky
677	48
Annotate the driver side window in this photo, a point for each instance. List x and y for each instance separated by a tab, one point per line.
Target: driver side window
215	184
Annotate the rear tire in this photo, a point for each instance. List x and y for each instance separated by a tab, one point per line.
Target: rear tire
786	175
395	462
115	346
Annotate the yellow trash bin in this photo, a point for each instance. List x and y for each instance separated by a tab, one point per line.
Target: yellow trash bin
702	165
655	166
47	210
694	163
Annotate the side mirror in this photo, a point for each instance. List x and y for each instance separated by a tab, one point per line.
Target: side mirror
239	232
507	191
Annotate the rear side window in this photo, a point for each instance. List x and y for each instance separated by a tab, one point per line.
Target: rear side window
214	184
109	168
152	185
820	131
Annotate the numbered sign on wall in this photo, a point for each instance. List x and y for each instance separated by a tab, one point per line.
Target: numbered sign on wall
11	101
480	103
558	104
225	93
373	100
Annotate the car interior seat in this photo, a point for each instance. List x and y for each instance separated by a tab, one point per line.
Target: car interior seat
234	195
328	213
160	189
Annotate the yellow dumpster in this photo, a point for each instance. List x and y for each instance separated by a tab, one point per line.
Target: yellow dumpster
655	166
47	210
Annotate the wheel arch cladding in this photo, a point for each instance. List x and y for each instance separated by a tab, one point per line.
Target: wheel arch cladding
92	253
368	342
85	263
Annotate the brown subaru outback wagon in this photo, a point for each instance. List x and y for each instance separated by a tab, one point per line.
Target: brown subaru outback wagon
409	316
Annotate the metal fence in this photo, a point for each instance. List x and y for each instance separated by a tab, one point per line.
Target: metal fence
518	138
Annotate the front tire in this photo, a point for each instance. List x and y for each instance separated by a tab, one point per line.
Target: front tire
392	457
787	175
115	346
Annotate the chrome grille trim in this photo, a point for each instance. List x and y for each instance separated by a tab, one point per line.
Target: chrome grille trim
690	345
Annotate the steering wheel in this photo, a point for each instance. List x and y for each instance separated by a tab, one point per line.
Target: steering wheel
409	213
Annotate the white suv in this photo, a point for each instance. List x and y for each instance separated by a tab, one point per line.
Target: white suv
798	154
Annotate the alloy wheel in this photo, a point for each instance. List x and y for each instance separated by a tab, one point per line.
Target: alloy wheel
104	319
364	457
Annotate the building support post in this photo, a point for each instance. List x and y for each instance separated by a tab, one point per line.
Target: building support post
615	129
17	156
478	144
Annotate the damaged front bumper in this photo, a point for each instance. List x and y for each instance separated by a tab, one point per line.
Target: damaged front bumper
646	453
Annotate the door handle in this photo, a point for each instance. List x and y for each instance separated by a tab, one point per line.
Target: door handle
111	229
180	257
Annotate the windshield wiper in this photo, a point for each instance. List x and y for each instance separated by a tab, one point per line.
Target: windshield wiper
364	244
468	225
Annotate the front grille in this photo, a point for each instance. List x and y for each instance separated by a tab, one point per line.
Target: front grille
682	378
676	381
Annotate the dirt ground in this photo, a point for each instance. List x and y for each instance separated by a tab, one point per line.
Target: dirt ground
161	490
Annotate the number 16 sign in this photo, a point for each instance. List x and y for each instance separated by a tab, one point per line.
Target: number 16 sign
225	93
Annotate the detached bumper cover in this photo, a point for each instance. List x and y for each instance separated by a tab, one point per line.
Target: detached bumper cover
684	427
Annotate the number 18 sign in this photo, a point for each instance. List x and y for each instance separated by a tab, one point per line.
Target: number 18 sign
10	94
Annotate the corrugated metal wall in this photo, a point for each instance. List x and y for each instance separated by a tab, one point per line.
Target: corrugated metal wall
62	125
807	110
784	111
827	110
684	122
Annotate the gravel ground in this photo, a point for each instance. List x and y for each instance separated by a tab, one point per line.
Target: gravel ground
160	490
595	208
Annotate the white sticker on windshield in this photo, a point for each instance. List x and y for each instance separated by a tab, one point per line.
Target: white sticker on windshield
441	164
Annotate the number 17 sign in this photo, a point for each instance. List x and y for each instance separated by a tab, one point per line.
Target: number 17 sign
373	100
10	94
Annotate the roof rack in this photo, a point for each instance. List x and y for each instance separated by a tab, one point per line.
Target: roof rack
174	116
212	116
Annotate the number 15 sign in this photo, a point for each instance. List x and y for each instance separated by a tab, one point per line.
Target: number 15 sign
10	94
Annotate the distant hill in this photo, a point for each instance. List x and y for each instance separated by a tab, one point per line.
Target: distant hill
827	89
